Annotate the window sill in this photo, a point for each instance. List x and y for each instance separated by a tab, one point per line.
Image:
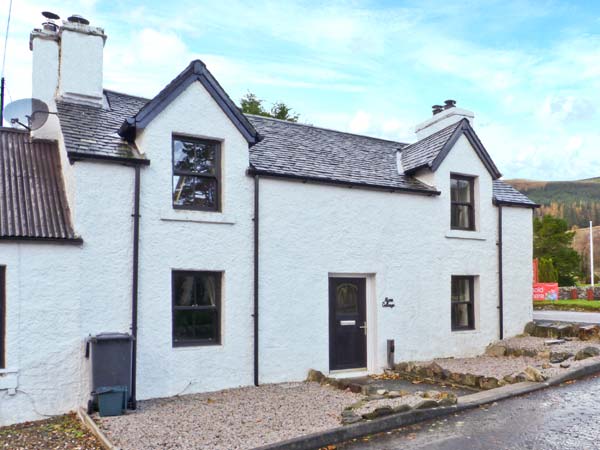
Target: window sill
475	331
190	347
464	234
186	215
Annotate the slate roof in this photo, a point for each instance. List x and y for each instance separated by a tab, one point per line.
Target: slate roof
304	151
505	194
33	203
423	152
287	149
92	130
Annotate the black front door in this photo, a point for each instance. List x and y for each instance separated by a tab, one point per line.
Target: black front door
347	323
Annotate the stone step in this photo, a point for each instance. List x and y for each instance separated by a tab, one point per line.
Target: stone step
555	330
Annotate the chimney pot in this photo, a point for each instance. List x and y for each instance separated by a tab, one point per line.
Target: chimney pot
76	18
449	104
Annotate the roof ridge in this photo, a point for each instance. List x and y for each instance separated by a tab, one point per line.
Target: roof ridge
436	133
287	122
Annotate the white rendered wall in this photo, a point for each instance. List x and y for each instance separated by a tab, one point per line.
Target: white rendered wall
518	271
43	341
404	241
194	240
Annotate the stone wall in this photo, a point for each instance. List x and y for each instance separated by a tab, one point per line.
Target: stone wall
564	293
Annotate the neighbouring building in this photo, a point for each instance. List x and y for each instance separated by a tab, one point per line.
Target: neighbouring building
238	249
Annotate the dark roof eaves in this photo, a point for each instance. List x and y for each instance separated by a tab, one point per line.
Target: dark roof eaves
196	71
515	204
43	240
428	192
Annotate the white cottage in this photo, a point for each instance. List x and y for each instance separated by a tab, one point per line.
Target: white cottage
238	249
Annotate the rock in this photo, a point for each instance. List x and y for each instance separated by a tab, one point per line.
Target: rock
426	404
565	365
381	391
431	394
445	374
401	367
521	377
447	401
375	397
488	383
558	357
530	328
529	352
456	377
510	379
588	332
553	341
587	352
394	394
436	369
348	412
347	420
495	350
544	354
533	374
402	408
356	388
316	376
378	412
469	379
546	366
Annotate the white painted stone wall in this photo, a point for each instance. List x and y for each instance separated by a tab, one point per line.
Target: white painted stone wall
518	271
58	295
405	245
194	240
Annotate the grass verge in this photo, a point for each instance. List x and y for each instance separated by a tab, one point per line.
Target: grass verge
568	305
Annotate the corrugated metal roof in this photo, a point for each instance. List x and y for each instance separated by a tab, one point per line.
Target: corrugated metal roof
33	203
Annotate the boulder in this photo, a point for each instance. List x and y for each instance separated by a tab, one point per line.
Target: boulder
565	365
558	357
402	408
427	403
510	379
378	412
316	376
533	374
436	369
469	379
496	350
588	332
431	394
530	328
488	383
587	352
382	391
521	377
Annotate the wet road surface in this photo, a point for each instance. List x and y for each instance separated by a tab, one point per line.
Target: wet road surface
564	417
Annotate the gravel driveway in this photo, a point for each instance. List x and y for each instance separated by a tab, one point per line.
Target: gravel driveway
242	418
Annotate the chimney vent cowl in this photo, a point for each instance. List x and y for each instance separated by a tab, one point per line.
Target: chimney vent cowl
437	109
76	18
449	104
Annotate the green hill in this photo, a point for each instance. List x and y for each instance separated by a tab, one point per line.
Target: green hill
577	202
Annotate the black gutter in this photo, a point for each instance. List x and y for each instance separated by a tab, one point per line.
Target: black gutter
43	240
256	254
351	184
500	276
78	156
516	204
134	284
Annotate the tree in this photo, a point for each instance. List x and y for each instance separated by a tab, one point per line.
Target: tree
546	271
552	239
251	104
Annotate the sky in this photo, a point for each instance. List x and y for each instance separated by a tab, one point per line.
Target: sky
529	70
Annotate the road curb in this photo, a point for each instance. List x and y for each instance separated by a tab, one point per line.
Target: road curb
393	421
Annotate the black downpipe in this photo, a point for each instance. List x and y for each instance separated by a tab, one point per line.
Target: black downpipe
2	102
500	276
134	284
255	314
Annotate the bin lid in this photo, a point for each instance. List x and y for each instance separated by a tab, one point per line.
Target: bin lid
111	336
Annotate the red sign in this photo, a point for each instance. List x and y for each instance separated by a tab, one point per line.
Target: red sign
545	291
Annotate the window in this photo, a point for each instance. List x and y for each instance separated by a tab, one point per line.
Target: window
196	174
462	214
196	308
2	317
462	301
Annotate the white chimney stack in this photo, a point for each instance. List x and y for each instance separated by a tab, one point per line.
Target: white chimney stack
443	116
67	62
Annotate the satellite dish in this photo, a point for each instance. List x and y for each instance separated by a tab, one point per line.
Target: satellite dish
50	15
30	113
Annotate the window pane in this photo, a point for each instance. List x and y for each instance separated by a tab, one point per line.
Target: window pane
460	191
461	216
195	325
195	156
195	192
460	315
461	289
347	299
195	289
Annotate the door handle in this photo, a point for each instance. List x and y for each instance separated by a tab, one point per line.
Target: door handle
364	327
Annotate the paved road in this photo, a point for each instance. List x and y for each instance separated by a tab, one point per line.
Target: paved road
567	316
565	418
